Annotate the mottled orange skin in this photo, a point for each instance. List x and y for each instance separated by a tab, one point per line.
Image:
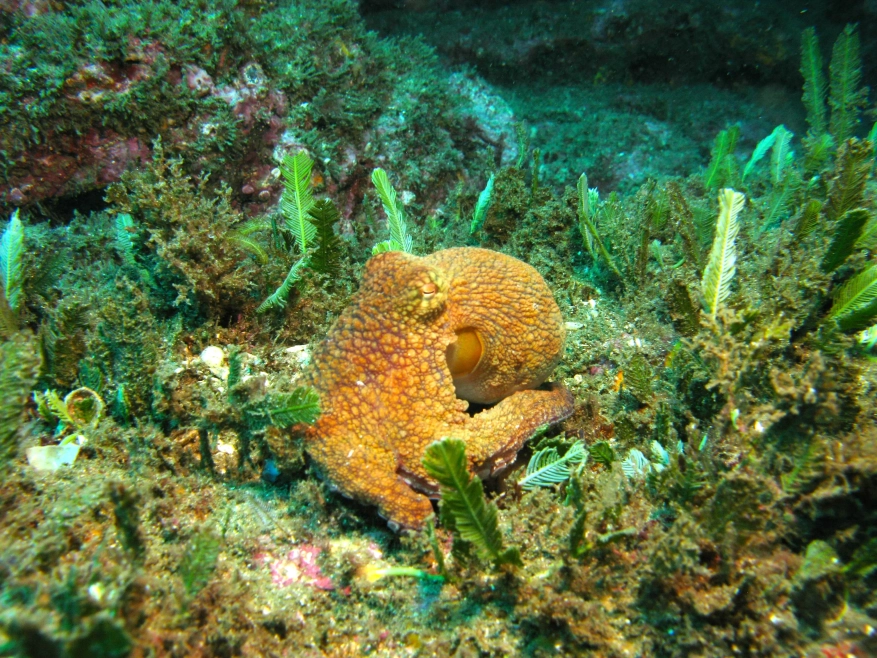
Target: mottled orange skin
386	390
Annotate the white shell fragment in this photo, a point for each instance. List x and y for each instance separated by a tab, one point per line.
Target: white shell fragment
51	458
214	358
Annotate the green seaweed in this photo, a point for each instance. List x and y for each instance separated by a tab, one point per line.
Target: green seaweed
126	511
846	233
722	168
399	240
602	453
588	227
547	466
300	406
462	499
638	378
856	295
327	254
814	82
11	263
482	206
846	97
851	172
721	266
279	297
297	199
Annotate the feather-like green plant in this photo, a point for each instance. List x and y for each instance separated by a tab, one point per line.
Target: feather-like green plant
722	164
399	240
814	81
846	97
325	258
588	227
297	199
781	154
241	236
843	241
462	497
481	207
809	219
868	337
638	378
124	244
279	297
722	262
779	143
11	263
854	162
760	151
602	453
868	239
854	295
300	406
125	229
547	467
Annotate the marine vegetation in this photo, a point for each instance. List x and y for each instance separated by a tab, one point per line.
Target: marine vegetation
257	399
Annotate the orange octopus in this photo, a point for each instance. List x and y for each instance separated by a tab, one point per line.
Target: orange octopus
423	338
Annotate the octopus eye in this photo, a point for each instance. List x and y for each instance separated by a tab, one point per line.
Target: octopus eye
428	290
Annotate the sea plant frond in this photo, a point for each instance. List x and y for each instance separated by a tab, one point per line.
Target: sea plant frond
11	262
399	240
124	244
846	95
781	154
279	297
845	236
636	465
721	266
809	219
722	166
779	140
475	520
856	293
485	199
245	242
547	467
297	198
589	228
300	406
325	258
814	81
602	453
854	163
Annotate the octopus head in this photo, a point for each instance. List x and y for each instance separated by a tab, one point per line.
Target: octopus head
404	285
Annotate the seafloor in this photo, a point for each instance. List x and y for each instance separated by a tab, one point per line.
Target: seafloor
716	493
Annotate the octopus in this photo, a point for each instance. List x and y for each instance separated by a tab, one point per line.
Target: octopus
422	340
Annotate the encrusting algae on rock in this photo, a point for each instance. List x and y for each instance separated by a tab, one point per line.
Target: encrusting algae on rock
422	338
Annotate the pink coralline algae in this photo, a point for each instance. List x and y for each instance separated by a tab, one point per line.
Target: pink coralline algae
199	81
73	164
297	566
